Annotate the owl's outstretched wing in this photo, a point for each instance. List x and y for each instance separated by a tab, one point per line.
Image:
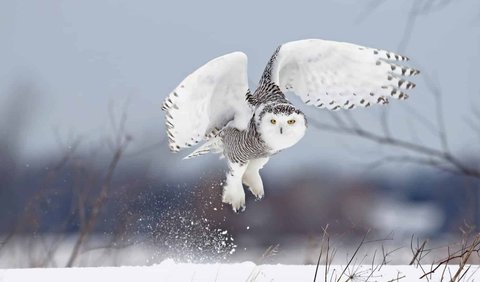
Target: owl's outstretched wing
335	75
206	100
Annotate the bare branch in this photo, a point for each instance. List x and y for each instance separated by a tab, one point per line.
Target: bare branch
425	161
418	252
121	141
99	202
447	157
353	256
418	8
409	26
437	93
464	256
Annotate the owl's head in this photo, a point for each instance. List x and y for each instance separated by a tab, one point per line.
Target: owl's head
281	126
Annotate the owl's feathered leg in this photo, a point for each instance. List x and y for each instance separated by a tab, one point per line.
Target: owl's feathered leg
233	193
252	178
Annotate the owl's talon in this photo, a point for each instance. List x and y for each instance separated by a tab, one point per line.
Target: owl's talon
239	210
234	197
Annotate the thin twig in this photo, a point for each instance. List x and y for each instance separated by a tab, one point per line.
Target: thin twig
321	252
418	252
465	258
98	204
474	247
353	256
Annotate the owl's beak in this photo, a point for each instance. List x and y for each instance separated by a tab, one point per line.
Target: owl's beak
281	130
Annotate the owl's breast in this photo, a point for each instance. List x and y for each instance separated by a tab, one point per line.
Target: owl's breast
244	145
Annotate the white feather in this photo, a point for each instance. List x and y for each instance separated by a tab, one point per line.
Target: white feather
207	100
334	75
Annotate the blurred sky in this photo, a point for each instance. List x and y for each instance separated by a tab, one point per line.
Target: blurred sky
80	56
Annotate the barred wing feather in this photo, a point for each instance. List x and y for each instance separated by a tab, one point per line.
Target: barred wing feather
206	100
335	75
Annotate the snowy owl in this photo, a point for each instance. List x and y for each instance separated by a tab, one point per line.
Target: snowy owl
214	103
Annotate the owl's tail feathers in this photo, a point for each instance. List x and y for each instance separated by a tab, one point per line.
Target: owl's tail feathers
214	145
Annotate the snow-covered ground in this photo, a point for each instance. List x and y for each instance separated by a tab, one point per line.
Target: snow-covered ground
168	270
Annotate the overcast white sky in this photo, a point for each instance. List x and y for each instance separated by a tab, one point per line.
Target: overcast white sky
79	55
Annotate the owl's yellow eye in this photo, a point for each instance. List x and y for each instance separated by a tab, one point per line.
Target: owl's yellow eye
291	121
273	121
